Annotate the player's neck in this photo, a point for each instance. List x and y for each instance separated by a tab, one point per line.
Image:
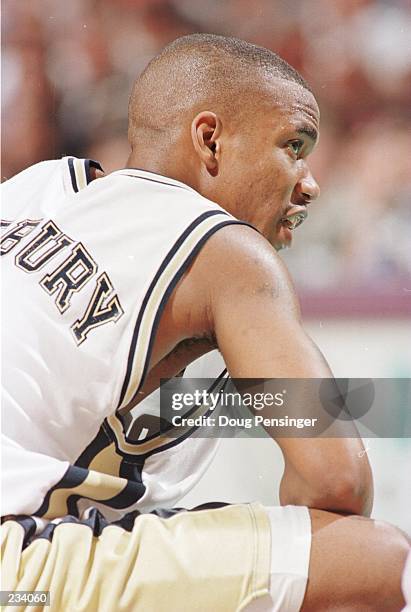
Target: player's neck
156	164
160	161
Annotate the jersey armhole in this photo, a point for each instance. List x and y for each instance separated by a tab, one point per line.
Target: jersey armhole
172	268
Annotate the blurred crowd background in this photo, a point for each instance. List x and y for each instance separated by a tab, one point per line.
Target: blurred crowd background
68	68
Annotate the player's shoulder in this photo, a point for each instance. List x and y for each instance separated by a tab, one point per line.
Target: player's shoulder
238	261
160	186
39	170
73	173
241	247
232	245
236	268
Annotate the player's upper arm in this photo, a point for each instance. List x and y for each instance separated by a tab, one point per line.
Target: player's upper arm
254	310
255	316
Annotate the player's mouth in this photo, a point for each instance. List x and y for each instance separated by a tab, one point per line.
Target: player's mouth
293	217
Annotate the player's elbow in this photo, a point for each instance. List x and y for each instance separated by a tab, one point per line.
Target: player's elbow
346	492
341	483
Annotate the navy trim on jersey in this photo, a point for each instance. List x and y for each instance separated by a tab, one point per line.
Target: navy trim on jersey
72	174
28	524
193	429
97	522
72	477
99	442
175	442
87	163
146	178
133	461
133	470
221	378
130	469
171	287
71	504
129	496
150	290
91	163
75	476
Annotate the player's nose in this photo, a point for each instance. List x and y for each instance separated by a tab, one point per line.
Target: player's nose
307	189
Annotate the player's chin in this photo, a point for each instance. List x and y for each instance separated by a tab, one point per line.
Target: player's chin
282	238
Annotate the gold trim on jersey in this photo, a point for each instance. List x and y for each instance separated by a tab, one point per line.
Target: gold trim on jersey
96	486
80	171
107	461
141	448
75	175
150	311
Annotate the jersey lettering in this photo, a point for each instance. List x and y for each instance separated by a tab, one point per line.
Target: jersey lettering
43	248
19	231
70	277
101	310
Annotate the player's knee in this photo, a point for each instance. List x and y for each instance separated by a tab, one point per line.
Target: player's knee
383	549
356	563
391	550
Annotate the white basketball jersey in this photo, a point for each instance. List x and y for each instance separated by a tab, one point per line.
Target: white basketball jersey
87	270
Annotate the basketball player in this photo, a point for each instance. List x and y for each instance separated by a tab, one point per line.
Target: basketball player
111	284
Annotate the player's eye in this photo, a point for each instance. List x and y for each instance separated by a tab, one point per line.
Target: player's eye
296	146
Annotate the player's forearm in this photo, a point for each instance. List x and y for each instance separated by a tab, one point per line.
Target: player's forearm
345	492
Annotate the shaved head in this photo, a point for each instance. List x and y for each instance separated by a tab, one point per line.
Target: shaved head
233	121
198	72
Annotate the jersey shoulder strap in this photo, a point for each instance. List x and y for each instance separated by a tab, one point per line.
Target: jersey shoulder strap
77	173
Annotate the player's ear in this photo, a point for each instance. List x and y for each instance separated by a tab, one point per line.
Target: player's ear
205	133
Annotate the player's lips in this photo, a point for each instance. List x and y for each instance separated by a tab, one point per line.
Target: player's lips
293	217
